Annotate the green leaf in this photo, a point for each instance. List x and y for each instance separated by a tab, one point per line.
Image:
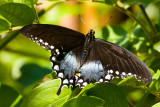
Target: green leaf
3	2
110	93
87	87
27	2
156	105
45	95
4	25
111	2
117	35
133	2
7	95
30	73
131	81
156	75
18	14
140	41
10	35
156	46
84	101
105	33
155	63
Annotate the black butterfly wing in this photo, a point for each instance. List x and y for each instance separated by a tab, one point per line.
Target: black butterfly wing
65	46
107	60
53	37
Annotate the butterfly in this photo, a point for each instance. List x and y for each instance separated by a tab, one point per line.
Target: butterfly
80	59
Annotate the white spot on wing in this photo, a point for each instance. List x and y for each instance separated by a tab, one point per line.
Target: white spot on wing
65	81
60	75
129	74
53	58
45	43
52	47
111	71
85	83
108	77
80	81
57	50
101	80
71	81
123	73
117	72
56	67
41	40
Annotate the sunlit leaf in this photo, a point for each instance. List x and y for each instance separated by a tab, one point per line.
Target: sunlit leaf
18	14
156	105
156	46
110	93
131	81
45	95
84	101
87	87
27	2
156	75
4	25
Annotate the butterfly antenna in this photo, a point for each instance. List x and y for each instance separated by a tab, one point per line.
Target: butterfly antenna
103	22
84	22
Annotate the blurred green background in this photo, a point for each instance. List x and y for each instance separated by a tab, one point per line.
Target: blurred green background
24	64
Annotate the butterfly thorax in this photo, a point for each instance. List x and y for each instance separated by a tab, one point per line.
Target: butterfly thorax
89	40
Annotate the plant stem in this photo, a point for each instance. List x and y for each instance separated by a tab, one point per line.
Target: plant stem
148	20
35	12
149	35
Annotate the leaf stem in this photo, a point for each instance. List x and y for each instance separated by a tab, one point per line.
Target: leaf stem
148	20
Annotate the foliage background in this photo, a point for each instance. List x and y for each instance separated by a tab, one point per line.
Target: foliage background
26	78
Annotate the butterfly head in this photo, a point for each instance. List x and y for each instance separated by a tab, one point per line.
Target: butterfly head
91	32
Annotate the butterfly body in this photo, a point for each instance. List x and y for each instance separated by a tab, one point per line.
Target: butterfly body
79	59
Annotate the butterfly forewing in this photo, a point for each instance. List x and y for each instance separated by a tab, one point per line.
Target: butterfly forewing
55	36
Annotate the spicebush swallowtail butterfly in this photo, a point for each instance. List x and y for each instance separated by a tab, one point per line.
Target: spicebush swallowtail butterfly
79	59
